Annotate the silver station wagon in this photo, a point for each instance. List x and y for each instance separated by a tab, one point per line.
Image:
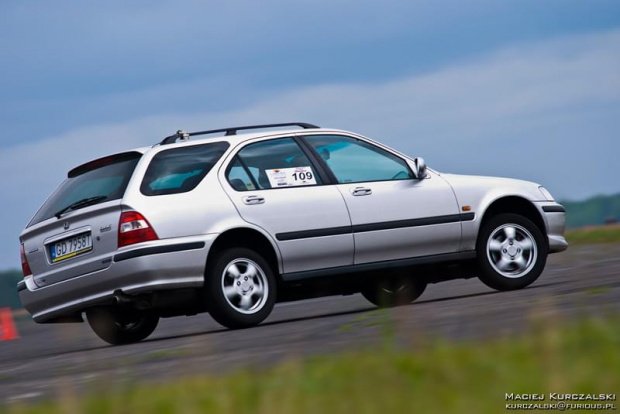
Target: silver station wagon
229	223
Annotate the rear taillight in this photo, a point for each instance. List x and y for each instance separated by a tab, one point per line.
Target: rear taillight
25	266
134	228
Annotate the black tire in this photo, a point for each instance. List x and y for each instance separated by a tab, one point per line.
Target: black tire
119	326
394	291
231	311
516	274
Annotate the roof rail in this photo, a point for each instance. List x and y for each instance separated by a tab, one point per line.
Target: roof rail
180	134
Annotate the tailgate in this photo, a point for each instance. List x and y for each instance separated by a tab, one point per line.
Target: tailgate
80	242
75	231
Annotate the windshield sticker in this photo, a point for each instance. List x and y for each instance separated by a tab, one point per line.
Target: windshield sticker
291	177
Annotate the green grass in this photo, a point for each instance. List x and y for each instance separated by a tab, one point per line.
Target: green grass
594	235
431	376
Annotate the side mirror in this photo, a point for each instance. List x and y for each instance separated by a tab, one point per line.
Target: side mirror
419	168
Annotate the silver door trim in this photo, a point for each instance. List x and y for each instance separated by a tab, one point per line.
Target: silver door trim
377	226
382	265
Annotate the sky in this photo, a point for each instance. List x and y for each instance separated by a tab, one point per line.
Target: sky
527	89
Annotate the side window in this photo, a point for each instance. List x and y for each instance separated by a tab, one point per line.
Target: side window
179	170
353	160
269	164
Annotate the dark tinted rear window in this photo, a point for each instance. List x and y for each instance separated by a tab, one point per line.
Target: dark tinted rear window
179	170
107	177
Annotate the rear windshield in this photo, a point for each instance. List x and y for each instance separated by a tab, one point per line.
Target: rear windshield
179	170
105	178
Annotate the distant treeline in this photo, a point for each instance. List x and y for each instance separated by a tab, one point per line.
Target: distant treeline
594	211
8	288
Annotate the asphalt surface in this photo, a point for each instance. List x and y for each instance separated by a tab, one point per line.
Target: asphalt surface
50	359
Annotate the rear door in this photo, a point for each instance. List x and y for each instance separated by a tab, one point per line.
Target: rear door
393	215
274	185
75	231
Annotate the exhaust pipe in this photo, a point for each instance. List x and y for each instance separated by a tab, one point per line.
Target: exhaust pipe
123	299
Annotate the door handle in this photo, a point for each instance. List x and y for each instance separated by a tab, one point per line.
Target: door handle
253	199
361	191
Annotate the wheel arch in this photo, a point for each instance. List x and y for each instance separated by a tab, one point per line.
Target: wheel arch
515	205
251	239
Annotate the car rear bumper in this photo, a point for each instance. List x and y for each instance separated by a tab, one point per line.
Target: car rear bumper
160	265
554	216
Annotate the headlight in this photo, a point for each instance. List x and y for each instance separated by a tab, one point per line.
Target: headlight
546	193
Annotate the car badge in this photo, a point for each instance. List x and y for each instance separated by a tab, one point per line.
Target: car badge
65	225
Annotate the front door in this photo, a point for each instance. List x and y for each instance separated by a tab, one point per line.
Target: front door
393	214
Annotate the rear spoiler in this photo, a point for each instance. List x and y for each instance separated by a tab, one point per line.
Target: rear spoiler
102	162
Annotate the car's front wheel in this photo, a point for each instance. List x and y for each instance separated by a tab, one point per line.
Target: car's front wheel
511	252
240	288
394	291
119	326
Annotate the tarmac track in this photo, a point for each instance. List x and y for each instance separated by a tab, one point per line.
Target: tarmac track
48	359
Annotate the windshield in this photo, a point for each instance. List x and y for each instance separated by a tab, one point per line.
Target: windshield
106	177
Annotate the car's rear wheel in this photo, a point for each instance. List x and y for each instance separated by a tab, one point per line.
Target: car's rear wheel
240	288
394	291
511	251
119	326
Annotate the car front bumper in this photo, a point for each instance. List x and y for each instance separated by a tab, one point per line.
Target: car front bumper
164	264
554	216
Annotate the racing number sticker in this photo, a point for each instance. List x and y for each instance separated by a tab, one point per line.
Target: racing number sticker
291	177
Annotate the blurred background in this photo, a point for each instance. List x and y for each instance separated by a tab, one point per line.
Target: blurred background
525	89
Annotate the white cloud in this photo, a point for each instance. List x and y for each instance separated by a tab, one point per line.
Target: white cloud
528	111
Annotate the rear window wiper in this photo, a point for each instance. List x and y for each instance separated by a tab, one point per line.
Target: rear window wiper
85	202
